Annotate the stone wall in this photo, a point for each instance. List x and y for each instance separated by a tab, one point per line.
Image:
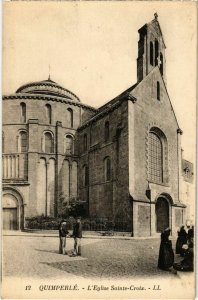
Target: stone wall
45	173
106	199
146	113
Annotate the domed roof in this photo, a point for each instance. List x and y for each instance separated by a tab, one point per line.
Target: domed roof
47	87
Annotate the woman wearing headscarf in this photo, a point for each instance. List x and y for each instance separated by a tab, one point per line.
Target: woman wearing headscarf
166	254
181	240
187	264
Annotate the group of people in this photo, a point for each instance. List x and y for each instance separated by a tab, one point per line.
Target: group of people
77	235
184	248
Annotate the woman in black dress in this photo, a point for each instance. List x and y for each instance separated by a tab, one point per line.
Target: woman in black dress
166	254
187	264
181	240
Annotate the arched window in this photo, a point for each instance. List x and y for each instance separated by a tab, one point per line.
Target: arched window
48	143
85	175
106	131
155	158
23	142
23	112
158	90
48	113
70	117
107	169
156	52
151	53
85	142
161	64
69	145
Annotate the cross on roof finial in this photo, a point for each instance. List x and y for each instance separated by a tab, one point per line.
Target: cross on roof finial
156	15
49	74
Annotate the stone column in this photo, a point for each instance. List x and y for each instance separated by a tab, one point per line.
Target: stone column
59	139
32	164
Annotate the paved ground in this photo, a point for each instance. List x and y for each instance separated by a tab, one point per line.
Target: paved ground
37	257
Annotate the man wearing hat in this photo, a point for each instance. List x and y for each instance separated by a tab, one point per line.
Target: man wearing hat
62	236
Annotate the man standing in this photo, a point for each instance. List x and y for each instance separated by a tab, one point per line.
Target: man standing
77	235
62	235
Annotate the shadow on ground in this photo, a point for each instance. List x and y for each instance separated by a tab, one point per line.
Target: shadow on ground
48	251
115	259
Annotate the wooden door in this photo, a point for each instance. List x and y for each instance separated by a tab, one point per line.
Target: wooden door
162	214
10	219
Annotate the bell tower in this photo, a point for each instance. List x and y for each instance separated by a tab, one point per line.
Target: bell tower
151	49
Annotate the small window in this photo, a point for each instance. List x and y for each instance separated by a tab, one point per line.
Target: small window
48	143
106	131
151	53
158	90
107	168
85	142
161	64
23	112
156	52
68	145
70	117
23	141
85	175
49	113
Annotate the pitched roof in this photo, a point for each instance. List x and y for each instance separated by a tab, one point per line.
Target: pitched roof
110	106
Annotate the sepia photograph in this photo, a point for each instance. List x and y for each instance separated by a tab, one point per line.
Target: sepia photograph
98	149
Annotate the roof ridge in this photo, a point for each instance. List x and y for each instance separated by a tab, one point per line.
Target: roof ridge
47	97
46	83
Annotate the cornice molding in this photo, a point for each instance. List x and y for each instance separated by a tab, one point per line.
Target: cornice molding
132	98
49	98
107	109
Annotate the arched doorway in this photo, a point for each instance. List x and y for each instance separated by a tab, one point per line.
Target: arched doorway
12	210
162	214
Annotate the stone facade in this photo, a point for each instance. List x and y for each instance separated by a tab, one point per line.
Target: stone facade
122	160
44	170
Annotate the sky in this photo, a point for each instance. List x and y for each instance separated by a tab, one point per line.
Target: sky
91	48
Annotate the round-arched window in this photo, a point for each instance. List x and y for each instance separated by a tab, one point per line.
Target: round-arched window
48	143
70	118
23	141
69	145
155	158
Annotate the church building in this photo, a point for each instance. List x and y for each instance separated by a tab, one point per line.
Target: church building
122	160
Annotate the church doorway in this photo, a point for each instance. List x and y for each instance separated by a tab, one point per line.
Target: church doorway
162	214
12	212
10	219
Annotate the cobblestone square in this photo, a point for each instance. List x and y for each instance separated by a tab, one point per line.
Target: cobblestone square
38	257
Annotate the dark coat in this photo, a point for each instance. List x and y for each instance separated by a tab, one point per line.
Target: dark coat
190	234
181	240
187	264
77	230
166	254
63	230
